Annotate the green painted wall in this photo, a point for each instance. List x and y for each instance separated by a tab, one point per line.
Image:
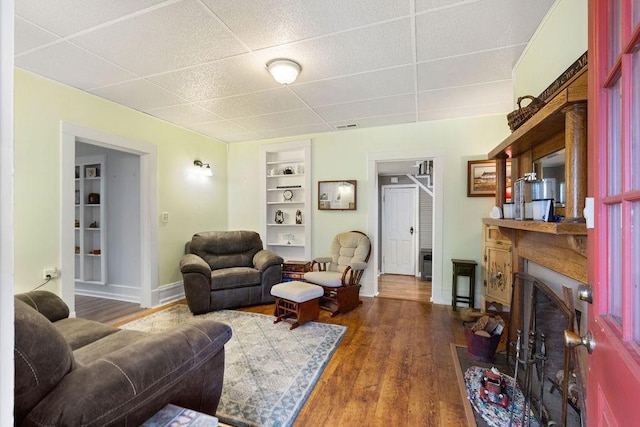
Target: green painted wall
40	107
344	155
559	41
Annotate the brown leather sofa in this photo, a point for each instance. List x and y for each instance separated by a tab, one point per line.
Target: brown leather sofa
76	372
223	269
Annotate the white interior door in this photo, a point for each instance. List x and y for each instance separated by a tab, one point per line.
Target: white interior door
399	229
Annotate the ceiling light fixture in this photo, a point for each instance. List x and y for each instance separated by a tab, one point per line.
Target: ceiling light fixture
202	168
284	71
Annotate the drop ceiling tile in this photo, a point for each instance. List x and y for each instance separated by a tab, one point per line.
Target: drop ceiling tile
422	5
184	114
79	69
467	111
298	130
481	94
29	36
376	84
394	119
370	108
227	77
242	137
138	94
361	50
219	128
456	30
265	23
287	119
177	35
253	104
65	17
468	69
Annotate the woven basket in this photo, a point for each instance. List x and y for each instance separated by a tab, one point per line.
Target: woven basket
481	348
517	117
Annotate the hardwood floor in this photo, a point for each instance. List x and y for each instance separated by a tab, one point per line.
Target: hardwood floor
404	287
392	368
105	310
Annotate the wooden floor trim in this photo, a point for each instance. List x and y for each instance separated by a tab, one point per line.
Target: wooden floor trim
468	410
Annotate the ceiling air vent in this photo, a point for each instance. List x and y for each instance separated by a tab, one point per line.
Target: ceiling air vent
347	126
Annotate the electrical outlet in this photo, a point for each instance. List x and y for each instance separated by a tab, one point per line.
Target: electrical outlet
52	272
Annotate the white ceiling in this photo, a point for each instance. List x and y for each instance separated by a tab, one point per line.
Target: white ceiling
201	63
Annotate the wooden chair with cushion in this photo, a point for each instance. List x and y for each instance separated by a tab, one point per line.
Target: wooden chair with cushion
339	274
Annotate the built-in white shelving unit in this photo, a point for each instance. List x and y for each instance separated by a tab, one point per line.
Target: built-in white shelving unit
90	224
287	199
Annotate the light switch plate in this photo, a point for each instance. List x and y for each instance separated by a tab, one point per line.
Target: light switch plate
588	211
164	217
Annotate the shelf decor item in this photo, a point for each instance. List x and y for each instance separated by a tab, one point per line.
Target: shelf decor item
279	219
94	198
91	172
298	217
517	117
287	195
289	237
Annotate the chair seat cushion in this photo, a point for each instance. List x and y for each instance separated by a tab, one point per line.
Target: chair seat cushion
332	279
234	277
297	291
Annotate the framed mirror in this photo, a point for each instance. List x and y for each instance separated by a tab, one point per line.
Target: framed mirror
552	168
337	195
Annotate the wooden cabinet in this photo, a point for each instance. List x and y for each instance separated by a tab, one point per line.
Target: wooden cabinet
496	268
287	199
294	270
90	220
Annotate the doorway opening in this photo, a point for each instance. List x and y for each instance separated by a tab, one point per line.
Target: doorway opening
143	154
383	166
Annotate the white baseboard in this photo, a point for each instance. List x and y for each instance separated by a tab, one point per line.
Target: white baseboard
169	293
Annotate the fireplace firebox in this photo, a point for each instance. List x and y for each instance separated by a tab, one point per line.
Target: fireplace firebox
549	373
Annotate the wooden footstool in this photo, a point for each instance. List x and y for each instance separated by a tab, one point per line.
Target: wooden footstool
297	300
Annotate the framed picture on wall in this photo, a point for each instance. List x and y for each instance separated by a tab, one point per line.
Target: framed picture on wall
481	178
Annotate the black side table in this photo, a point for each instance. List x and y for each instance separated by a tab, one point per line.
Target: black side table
463	267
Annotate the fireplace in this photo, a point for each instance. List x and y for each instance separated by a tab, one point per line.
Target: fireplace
549	373
546	257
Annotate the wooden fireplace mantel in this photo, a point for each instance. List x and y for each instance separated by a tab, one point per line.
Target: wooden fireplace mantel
557	228
561	247
561	123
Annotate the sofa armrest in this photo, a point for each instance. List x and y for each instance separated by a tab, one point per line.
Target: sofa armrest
191	263
322	259
46	303
265	258
129	385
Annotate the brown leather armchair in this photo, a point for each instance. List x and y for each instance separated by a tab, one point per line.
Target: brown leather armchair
223	269
72	372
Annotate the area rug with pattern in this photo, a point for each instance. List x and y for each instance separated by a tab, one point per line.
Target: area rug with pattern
269	370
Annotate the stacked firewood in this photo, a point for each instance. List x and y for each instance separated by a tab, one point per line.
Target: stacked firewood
488	325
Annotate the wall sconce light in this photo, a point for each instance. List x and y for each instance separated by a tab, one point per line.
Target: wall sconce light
284	71
202	168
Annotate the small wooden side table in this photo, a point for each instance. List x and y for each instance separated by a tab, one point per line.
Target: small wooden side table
463	267
294	270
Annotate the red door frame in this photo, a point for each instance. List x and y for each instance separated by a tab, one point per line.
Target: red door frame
614	367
